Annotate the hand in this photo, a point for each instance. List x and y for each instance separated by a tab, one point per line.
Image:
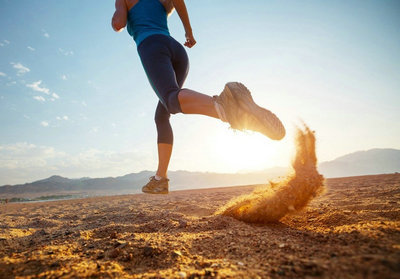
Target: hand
190	41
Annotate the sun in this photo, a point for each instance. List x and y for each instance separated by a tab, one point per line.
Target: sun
245	151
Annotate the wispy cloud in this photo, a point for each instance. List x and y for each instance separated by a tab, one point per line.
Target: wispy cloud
25	162
64	77
24	155
84	104
36	87
65	117
2	74
21	69
30	48
55	96
45	34
44	123
39	98
66	52
4	42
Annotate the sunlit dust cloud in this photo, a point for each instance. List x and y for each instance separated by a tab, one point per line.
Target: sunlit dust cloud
273	201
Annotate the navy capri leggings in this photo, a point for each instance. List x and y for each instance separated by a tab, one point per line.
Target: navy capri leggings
166	65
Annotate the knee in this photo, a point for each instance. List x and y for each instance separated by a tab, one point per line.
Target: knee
162	116
164	130
172	103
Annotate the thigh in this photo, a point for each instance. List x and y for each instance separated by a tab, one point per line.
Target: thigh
180	63
157	63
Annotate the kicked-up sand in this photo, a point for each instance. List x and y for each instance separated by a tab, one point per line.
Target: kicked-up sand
351	231
270	203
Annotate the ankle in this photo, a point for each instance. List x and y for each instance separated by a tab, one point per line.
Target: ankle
219	109
159	177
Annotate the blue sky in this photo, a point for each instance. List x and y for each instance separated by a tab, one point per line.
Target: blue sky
74	99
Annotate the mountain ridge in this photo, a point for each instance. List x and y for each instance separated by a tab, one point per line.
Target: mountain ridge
373	161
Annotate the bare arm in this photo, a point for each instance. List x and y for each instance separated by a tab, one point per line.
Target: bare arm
119	18
180	8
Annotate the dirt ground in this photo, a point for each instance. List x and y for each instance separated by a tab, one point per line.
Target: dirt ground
351	231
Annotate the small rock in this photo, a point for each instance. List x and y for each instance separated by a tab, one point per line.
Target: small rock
113	235
240	263
182	274
127	257
176	254
55	264
214	265
204	264
148	251
120	244
182	224
114	253
281	245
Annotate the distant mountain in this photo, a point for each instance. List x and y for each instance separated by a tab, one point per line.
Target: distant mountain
374	161
132	183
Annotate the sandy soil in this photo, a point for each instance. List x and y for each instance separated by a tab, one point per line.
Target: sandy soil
352	231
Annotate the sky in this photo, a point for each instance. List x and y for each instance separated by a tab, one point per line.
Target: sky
74	99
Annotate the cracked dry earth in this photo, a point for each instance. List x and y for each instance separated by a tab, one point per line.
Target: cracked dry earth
351	231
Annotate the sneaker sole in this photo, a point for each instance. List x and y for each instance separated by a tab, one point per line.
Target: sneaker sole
274	128
155	193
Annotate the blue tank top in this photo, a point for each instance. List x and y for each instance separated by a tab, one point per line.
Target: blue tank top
147	17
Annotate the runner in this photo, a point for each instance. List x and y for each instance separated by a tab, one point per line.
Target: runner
166	64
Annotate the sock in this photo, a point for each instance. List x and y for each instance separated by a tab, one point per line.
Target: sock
157	177
220	112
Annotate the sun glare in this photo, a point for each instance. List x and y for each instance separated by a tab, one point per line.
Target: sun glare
242	152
